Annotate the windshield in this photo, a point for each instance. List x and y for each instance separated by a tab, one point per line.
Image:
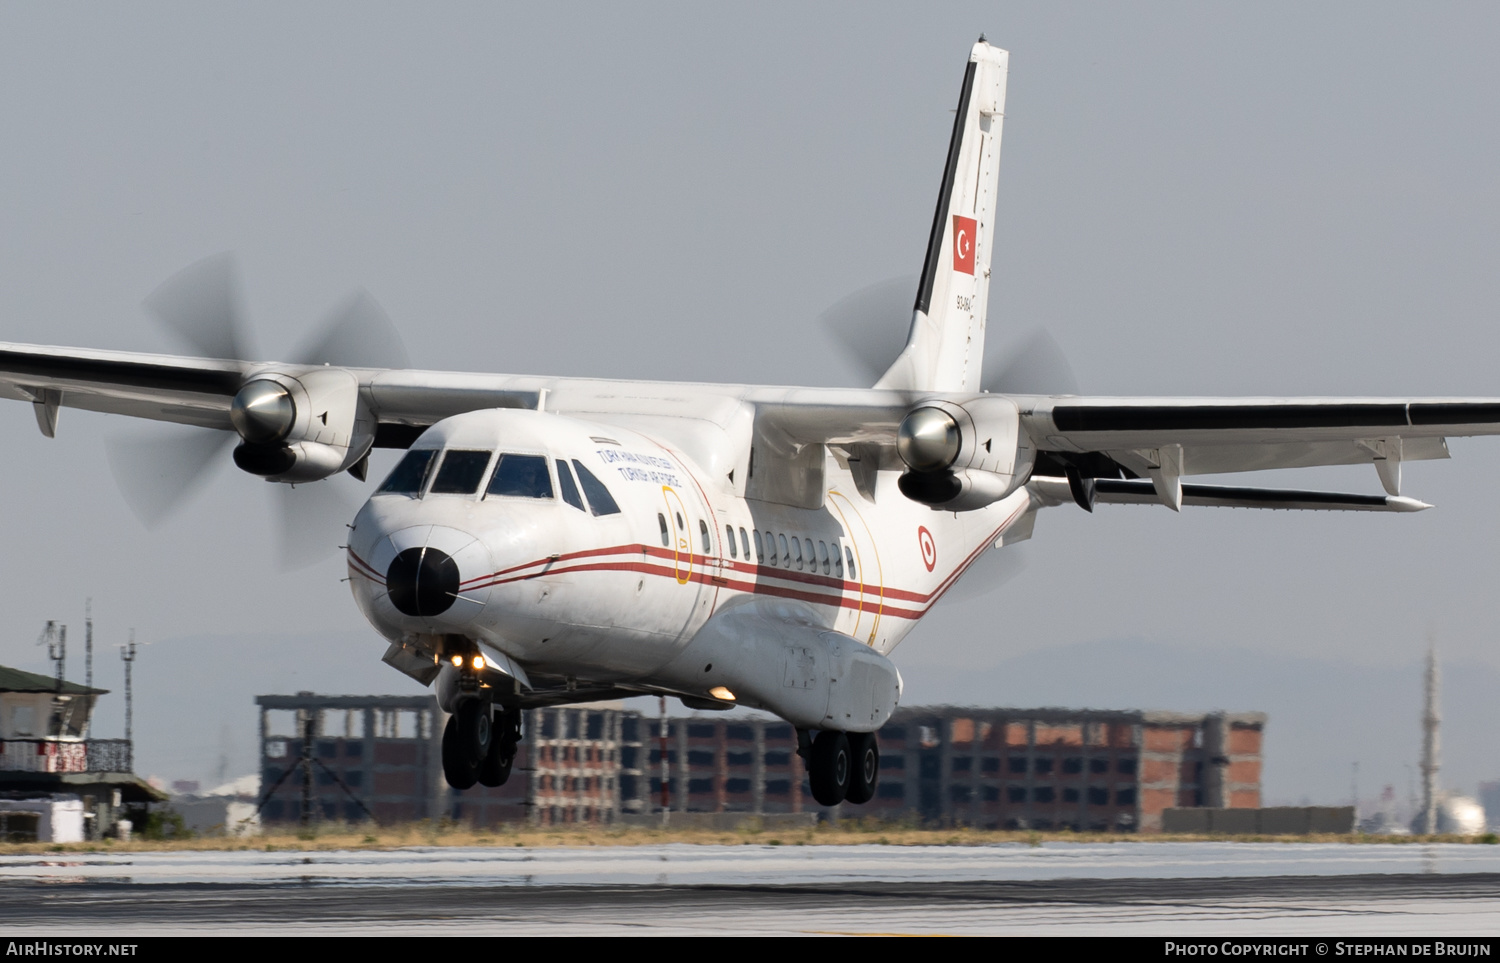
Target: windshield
462	472
522	476
410	474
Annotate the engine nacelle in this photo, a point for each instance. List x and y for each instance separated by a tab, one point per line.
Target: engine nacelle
303	427
964	457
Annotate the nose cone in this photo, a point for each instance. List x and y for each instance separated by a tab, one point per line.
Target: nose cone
418	578
422	581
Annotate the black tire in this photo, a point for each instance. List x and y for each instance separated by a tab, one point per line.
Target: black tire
830	768
494	770
476	729
456	766
864	771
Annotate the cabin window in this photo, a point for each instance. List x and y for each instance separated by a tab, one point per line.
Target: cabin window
521	476
569	489
760	550
786	553
744	543
461	472
666	537
410	474
838	561
849	557
812	559
797	544
680	526
601	502
729	537
823	557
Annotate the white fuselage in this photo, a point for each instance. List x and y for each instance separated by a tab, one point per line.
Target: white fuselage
613	598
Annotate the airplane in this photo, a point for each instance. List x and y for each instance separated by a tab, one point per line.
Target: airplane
551	540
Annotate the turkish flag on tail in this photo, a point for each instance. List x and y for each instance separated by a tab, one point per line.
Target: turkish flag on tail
964	229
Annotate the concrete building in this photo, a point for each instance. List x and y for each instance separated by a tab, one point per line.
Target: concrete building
994	768
55	784
380	758
991	768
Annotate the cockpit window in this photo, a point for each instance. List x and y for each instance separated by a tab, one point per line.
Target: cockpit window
601	502
461	472
410	473
569	490
523	476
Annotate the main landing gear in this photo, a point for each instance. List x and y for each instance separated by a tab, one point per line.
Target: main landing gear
479	744
842	766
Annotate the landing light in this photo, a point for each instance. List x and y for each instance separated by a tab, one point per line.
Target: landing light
458	661
719	692
478	662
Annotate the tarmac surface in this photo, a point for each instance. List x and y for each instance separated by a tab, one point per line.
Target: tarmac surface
1142	889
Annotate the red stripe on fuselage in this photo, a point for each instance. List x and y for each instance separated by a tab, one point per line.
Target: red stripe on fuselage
564	564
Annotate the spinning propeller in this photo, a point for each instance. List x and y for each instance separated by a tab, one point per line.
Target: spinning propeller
158	472
871	326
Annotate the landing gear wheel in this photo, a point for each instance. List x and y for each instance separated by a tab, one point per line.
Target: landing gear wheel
457	768
865	772
830	768
475	729
494	769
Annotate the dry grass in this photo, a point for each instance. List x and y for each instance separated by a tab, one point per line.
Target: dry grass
332	837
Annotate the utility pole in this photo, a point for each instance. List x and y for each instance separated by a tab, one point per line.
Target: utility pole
1426	822
307	787
666	799
55	637
88	659
127	655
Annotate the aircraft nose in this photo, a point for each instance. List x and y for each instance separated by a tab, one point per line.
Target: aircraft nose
421	577
422	581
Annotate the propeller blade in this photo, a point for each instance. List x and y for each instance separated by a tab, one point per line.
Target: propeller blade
1035	366
988	573
201	305
313	521
357	334
158	472
872	324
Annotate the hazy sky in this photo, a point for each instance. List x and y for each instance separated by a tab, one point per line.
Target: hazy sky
1194	199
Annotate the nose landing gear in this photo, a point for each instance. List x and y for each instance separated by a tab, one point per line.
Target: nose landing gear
843	766
479	744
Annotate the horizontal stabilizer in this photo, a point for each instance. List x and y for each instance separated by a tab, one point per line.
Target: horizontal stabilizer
1143	492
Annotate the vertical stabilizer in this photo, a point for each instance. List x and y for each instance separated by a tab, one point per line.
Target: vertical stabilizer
946	343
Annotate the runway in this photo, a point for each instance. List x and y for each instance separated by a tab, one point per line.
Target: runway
1143	889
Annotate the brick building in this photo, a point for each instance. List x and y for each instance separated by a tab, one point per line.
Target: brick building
380	757
998	768
1064	769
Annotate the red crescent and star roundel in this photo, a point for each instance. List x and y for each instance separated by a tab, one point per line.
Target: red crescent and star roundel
928	546
964	229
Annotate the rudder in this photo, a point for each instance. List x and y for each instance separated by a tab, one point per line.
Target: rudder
945	346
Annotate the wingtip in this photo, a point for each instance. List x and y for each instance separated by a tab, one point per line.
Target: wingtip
1401	503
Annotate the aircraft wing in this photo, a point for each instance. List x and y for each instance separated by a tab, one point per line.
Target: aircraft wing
198	391
189	391
1094	437
1152	437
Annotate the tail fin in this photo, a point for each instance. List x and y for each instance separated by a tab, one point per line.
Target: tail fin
946	344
